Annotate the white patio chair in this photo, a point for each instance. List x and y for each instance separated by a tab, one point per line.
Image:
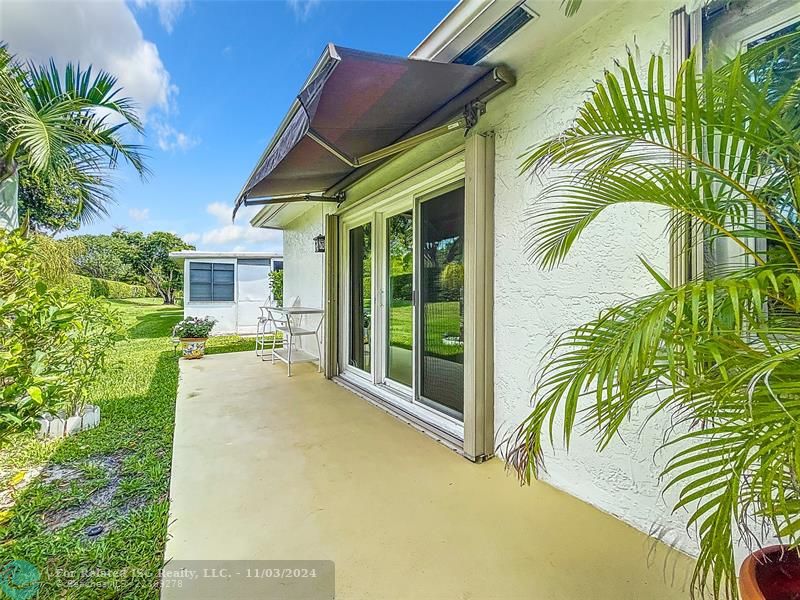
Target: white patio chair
262	327
264	324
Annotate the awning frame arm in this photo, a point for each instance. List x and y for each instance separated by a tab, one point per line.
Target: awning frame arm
467	121
338	198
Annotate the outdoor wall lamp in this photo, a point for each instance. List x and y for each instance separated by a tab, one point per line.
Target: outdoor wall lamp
319	243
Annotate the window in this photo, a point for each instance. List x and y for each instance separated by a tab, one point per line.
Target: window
210	282
727	32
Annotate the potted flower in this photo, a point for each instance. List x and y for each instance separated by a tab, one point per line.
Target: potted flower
193	333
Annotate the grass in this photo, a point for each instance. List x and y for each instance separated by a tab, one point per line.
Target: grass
129	497
443	318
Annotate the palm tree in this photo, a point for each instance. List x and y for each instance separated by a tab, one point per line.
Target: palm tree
721	352
69	124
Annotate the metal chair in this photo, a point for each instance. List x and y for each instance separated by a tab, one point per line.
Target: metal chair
263	324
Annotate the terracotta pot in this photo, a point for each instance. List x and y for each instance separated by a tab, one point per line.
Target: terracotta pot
772	573
192	348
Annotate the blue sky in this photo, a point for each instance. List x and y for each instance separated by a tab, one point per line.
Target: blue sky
213	80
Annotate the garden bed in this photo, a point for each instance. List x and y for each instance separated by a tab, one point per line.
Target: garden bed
90	511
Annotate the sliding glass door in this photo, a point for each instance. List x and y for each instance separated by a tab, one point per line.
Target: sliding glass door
441	303
413	353
360	295
400	298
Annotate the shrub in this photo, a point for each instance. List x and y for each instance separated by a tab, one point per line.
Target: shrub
194	327
276	286
105	288
53	339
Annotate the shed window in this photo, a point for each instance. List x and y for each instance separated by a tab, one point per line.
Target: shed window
210	282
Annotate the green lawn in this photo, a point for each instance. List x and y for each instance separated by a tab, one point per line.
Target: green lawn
115	476
443	318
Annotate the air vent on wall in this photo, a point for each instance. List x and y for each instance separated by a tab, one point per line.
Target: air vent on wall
498	33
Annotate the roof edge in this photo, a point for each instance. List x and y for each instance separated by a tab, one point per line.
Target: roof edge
222	254
453	25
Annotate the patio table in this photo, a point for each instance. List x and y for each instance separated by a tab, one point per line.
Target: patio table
284	323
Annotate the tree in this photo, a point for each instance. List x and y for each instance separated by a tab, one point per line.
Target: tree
721	354
66	127
48	202
104	257
149	258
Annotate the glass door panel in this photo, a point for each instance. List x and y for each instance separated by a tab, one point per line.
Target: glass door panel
400	278
441	307
360	334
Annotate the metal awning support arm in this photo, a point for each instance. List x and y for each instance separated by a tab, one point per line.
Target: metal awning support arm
338	198
244	200
467	121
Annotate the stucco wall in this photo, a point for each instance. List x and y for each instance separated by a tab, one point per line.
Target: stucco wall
9	206
533	306
304	269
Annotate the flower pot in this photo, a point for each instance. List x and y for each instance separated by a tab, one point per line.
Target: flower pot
772	573
193	347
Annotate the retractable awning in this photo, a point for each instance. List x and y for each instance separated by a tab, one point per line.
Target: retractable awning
359	108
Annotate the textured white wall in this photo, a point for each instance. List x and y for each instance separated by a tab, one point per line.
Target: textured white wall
304	269
532	306
9	205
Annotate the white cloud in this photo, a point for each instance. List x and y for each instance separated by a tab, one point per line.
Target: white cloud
221	211
238	234
139	214
102	34
227	233
169	139
302	9
190	238
168	10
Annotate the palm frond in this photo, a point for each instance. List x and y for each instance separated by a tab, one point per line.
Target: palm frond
71	122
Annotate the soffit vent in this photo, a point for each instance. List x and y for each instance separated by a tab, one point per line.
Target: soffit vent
508	25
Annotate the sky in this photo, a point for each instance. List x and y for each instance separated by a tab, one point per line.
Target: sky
212	80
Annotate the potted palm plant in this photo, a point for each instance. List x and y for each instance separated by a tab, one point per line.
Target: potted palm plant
193	335
719	350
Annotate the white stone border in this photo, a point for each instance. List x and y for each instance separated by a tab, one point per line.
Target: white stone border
60	425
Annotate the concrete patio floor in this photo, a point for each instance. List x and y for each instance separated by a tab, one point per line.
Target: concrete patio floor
270	467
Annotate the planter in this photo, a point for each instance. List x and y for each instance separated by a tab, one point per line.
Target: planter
60	425
772	573
192	348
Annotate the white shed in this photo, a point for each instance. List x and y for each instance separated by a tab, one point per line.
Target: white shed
228	286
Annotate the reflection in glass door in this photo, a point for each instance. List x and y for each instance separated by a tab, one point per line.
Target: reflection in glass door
441	309
400	266
360	334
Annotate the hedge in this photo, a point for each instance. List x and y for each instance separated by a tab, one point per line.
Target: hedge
107	288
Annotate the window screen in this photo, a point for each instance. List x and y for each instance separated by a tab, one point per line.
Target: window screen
210	282
442	303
